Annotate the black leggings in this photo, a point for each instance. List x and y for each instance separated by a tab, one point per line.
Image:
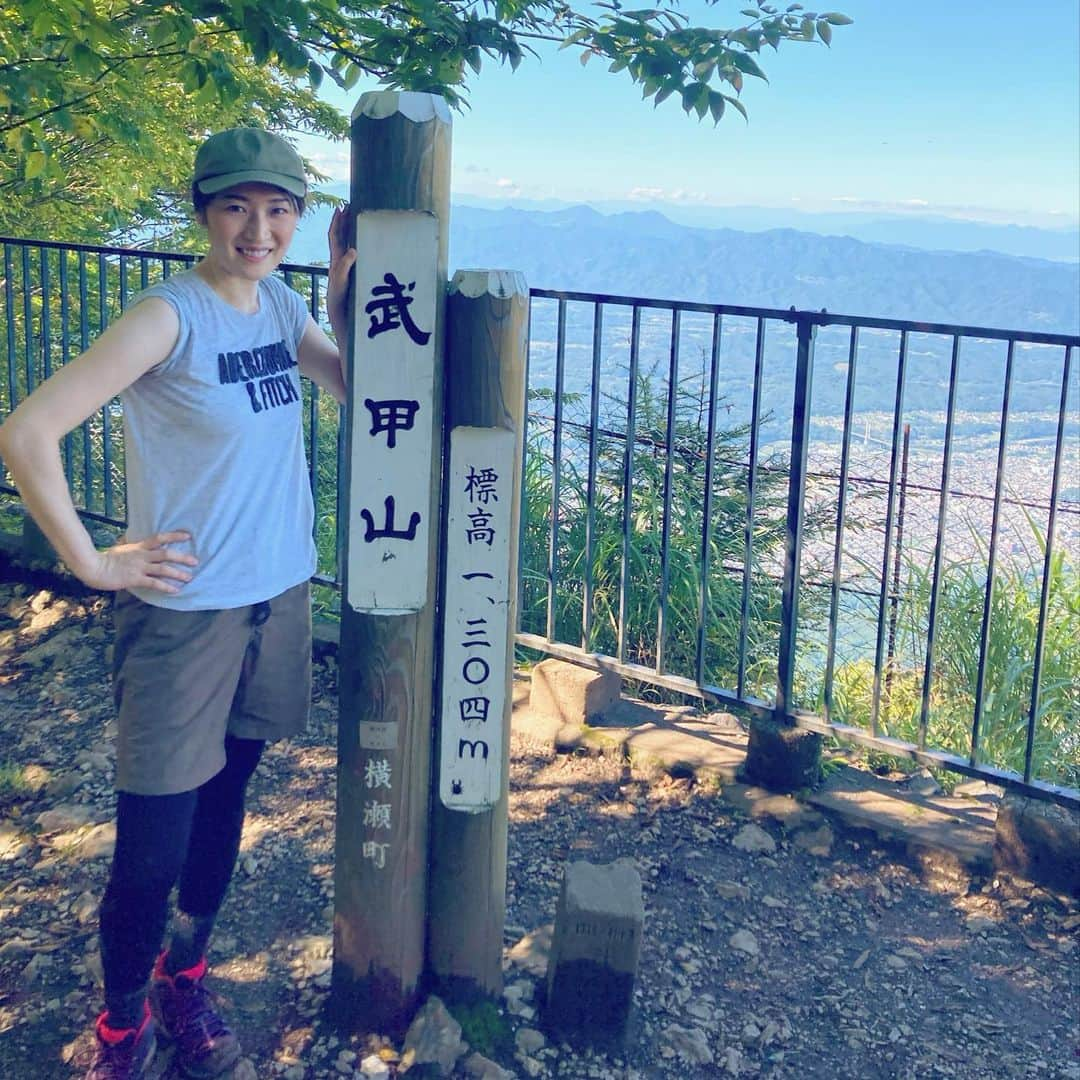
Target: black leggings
193	837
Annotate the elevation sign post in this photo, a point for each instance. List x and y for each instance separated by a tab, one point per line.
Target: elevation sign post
485	374
399	201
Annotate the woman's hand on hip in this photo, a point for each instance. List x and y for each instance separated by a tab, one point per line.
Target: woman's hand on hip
142	564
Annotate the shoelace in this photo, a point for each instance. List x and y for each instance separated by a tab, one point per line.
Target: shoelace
195	1013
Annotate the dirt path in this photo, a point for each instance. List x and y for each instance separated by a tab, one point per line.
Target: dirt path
766	953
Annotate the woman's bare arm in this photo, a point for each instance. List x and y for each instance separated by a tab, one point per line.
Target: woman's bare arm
30	446
319	358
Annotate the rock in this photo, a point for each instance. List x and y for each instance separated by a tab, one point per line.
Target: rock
753	838
13	845
922	782
64	784
732	890
49	616
529	1040
374	1067
52	647
482	1068
745	942
532	951
95	843
781	757
691	1044
36	965
817	841
36	778
572	694
978	789
94	969
531	1066
1039	841
40	601
85	908
434	1036
732	1060
980	924
67	816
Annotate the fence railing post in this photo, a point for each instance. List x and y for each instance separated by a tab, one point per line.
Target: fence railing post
779	755
800	440
401	162
486	323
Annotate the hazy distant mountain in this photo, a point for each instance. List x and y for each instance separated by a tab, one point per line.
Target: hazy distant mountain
926	231
645	254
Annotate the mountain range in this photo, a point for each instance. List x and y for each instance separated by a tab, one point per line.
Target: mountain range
645	254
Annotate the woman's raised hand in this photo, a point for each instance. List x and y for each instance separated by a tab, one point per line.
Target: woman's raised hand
342	257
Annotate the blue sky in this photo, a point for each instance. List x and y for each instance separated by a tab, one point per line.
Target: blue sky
970	110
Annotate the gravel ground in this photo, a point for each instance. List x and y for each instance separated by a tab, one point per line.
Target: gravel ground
768	952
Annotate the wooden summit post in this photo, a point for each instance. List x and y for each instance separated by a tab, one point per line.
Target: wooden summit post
486	323
400	203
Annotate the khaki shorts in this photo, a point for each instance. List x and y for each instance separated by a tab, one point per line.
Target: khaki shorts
182	680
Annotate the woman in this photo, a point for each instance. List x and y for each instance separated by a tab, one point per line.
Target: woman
213	650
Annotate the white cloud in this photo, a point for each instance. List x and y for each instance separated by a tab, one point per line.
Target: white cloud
888	205
673	195
333	163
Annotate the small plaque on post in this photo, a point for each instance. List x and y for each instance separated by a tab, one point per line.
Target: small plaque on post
391	398
476	619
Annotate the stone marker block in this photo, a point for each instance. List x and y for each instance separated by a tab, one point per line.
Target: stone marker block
781	757
594	955
572	694
1039	841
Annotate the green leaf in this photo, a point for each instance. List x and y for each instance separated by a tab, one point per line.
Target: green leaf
43	24
737	105
824	31
747	65
84	60
35	164
834	18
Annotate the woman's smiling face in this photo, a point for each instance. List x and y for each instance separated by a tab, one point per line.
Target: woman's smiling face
250	227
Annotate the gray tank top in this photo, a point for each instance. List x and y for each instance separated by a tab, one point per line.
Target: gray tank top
213	442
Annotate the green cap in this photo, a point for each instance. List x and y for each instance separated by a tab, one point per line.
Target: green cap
248	155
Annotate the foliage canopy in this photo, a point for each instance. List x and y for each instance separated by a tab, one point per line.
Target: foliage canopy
101	101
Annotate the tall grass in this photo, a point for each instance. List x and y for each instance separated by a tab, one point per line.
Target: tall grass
1009	662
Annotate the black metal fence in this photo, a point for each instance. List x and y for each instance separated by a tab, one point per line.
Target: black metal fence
871	527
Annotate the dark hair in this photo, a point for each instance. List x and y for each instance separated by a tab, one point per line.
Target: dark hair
201	201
